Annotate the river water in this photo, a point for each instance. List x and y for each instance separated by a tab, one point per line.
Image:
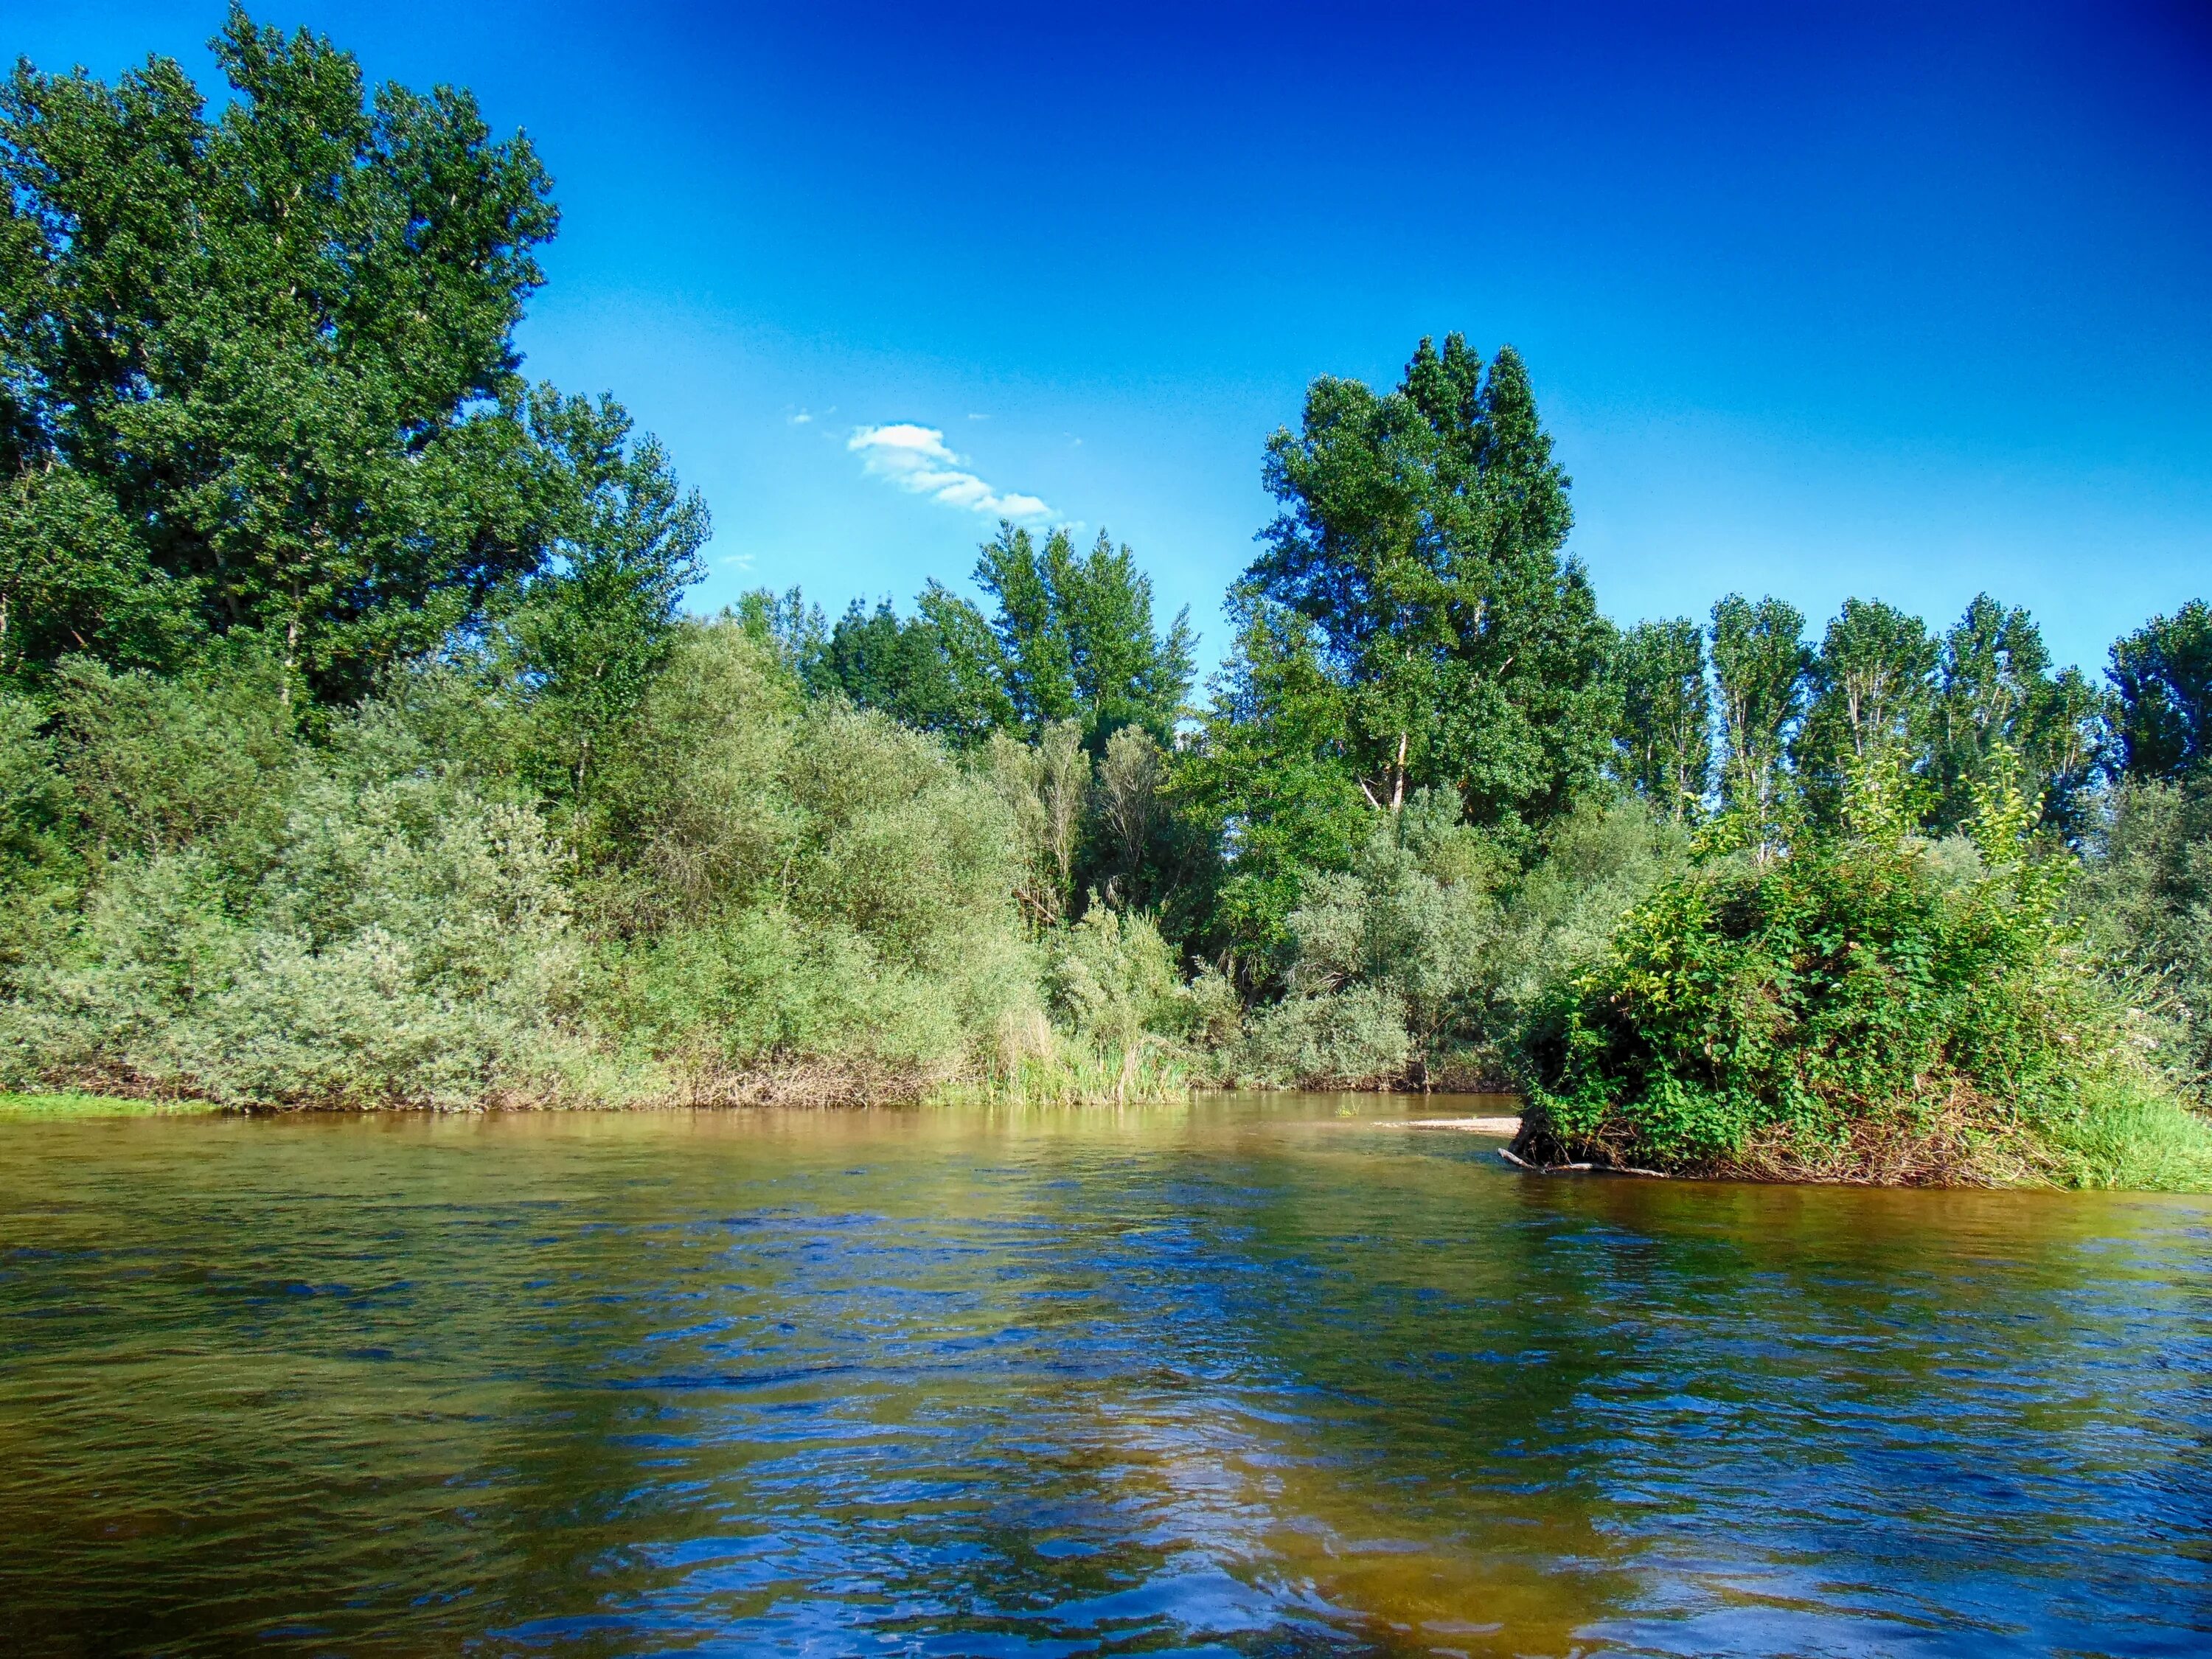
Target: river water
1249	1376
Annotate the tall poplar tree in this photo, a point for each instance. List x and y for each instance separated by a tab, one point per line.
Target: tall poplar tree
1760	665
1872	688
2162	673
1996	690
1666	715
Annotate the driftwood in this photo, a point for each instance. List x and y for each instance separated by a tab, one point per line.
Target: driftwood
1519	1163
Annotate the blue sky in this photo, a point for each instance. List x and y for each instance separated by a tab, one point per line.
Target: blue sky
1819	299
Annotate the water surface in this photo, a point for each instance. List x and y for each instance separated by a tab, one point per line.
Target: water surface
1250	1376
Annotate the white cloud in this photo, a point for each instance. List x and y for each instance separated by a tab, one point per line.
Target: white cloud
801	418
919	461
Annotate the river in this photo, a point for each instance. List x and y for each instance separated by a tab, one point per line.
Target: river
1256	1376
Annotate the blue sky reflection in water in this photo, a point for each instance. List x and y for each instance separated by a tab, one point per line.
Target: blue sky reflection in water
1254	1377
1903	301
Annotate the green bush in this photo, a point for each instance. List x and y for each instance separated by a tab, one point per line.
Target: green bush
1859	1006
787	883
1442	942
2146	899
407	944
1353	1038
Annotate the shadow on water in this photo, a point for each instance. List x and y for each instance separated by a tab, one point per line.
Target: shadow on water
1257	1376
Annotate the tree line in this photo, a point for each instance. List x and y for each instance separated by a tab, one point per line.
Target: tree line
356	746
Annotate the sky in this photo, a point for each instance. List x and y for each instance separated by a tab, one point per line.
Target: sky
1905	302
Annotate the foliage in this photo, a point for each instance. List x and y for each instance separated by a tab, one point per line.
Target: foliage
2146	897
2162	674
1665	734
1437	942
1072	639
257	379
255	364
1843	1008
787	880
1046	785
154	763
1421	538
1267	775
622	539
404	944
1871	692
1760	666
1995	692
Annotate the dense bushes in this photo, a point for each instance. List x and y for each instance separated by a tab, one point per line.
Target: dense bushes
786	882
1859	1006
1418	964
400	942
2146	902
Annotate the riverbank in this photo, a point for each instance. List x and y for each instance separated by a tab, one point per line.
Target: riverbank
81	1105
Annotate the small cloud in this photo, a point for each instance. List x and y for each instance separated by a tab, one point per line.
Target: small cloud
736	561
979	417
918	461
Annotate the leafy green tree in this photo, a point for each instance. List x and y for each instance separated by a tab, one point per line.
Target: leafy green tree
1872	692
623	538
1076	635
257	371
1267	776
1666	715
933	672
1995	688
1760	666
2163	675
1072	638
1421	538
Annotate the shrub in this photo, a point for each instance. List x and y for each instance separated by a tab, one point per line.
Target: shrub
2146	899
1853	1008
1354	1038
407	944
792	884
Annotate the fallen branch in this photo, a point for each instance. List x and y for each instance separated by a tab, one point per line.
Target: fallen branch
1520	1162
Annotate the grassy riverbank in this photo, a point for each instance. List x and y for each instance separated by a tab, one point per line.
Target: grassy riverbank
79	1105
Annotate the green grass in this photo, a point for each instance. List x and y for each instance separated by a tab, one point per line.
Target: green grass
54	1106
2131	1137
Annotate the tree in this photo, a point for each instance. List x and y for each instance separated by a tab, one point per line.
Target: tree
623	539
1760	666
1076	635
1421	537
1268	779
1072	639
1872	693
257	372
1666	715
1994	690
2163	675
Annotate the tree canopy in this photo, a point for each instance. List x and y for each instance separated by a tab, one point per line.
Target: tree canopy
258	373
1421	537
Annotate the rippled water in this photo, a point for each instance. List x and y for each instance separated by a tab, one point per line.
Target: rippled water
1250	1376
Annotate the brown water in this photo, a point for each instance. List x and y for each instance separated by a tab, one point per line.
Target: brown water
1251	1376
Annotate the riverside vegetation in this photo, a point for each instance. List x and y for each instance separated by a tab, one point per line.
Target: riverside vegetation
356	748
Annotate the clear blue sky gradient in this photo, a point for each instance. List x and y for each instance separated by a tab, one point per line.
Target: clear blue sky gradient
1907	302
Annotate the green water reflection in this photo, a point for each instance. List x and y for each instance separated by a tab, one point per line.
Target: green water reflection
1252	1376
